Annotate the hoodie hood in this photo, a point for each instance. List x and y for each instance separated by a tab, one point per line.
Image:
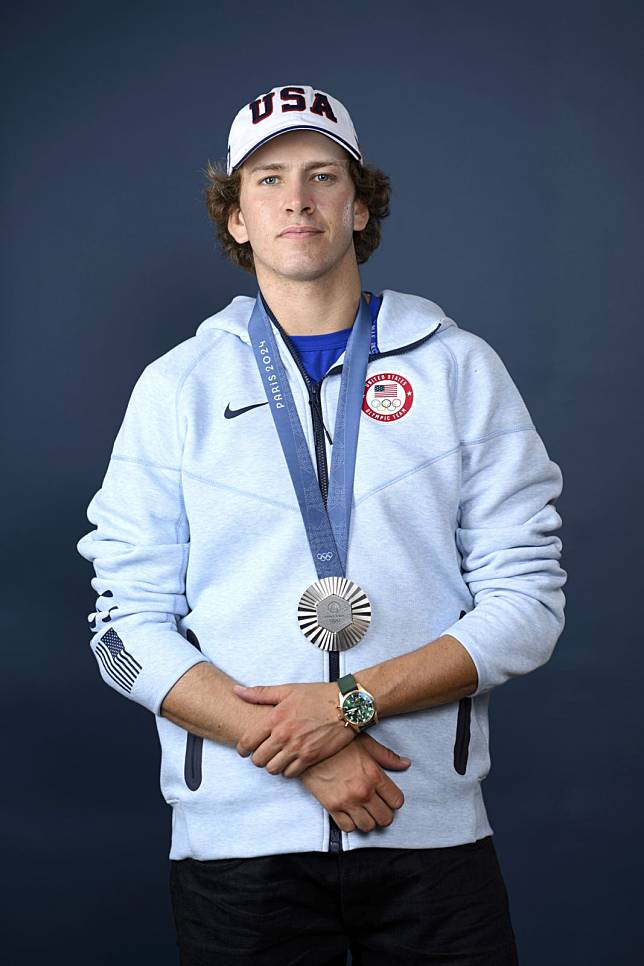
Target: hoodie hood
402	320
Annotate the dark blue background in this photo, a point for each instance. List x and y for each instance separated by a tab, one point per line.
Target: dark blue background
513	137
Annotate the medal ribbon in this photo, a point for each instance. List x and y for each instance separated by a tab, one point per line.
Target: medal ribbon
327	528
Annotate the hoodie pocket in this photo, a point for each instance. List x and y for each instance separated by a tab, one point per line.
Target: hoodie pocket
462	741
194	743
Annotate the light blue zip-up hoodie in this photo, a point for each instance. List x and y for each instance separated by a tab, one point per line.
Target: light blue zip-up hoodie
200	553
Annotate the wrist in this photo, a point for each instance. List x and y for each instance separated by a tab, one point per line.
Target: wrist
250	716
356	706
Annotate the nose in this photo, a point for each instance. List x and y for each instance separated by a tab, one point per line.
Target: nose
299	197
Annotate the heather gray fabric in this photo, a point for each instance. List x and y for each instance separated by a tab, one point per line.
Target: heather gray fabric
200	553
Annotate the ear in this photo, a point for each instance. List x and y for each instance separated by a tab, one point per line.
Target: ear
360	215
237	226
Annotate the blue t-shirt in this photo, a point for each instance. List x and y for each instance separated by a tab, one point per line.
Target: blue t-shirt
319	352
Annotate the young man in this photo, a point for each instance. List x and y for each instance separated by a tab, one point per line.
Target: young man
326	512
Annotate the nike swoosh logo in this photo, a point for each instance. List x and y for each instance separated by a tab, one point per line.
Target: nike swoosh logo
231	413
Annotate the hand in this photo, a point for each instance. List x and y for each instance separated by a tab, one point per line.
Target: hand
303	728
353	787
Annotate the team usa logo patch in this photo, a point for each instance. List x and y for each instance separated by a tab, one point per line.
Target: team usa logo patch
387	396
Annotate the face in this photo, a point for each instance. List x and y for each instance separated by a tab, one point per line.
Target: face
298	180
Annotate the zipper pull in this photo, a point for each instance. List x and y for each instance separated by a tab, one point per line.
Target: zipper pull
315	400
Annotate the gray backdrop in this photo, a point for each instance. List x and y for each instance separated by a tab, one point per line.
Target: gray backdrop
513	137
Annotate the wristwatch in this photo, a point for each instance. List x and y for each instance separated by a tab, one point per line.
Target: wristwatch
357	706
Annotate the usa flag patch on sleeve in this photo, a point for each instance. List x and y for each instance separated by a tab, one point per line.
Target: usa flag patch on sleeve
121	666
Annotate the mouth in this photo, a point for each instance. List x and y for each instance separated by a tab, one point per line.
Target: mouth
300	232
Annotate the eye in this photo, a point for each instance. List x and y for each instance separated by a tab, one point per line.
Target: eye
320	174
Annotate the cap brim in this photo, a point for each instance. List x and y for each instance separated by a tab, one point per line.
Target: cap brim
299	127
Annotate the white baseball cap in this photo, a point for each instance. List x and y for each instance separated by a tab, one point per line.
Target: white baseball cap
289	109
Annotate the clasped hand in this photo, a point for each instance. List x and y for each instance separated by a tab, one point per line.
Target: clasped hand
303	728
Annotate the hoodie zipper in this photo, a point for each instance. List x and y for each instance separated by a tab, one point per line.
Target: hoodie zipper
319	430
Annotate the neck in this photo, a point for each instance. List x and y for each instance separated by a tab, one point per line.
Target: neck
315	306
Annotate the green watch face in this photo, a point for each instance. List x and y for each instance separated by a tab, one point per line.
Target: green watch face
358	708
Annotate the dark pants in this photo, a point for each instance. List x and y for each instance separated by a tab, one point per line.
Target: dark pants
387	906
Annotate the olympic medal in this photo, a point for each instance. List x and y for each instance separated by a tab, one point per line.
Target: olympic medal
334	613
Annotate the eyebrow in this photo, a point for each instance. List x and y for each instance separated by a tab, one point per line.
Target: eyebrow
280	167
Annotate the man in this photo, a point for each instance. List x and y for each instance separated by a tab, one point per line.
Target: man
326	512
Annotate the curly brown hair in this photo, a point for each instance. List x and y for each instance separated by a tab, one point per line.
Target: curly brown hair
221	195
